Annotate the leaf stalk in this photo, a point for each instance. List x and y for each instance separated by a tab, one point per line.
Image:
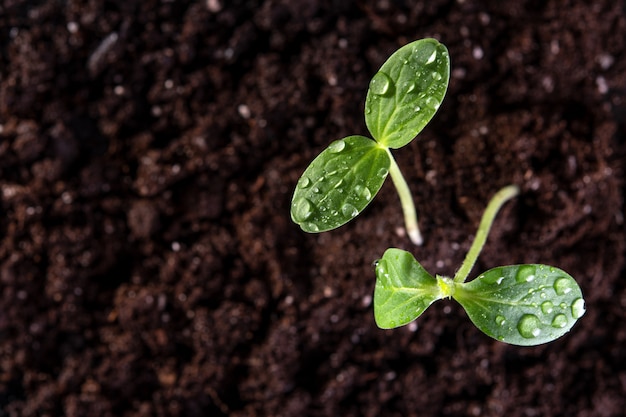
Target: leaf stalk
406	201
496	202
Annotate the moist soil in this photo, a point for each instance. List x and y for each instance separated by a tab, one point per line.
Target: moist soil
148	154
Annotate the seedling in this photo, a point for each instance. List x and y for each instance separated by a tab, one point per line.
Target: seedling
402	98
518	304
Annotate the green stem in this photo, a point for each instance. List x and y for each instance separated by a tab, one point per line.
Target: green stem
406	200
492	209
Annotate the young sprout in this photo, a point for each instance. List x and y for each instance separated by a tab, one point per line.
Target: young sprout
402	98
518	304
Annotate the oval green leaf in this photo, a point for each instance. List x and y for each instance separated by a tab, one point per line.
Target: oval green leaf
523	305
406	92
404	289
339	184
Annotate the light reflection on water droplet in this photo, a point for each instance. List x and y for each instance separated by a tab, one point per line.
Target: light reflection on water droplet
313	227
526	273
380	83
349	210
578	308
432	102
547	307
562	286
303	209
559	321
383	172
363	192
500	320
432	57
337	146
529	326
304	182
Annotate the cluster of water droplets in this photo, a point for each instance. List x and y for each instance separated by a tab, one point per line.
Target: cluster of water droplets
557	316
336	181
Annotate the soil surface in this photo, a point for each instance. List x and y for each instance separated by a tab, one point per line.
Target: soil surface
148	154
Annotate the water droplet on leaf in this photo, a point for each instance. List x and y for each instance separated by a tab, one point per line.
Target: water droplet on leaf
383	172
312	227
432	57
529	326
500	320
433	102
337	146
525	273
562	286
547	307
578	308
494	277
380	83
436	76
349	210
559	321
302	209
363	192
304	182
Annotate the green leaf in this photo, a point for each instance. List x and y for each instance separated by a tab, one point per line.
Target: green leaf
339	184
522	304
403	289
406	92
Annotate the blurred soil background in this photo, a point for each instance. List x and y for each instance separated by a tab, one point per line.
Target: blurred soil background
148	153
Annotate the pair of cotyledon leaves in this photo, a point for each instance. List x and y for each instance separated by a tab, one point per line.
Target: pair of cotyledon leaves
518	304
402	98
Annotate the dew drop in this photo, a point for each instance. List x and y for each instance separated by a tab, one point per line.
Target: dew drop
432	57
312	227
562	286
578	308
337	146
363	192
303	209
304	182
528	326
494	277
383	172
547	307
315	190
432	102
436	76
559	321
525	273
410	86
500	320
380	83
349	210
417	109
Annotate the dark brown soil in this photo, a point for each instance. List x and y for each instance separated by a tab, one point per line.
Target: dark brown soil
148	152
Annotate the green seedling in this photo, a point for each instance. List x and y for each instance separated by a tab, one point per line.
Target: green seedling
402	98
518	304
